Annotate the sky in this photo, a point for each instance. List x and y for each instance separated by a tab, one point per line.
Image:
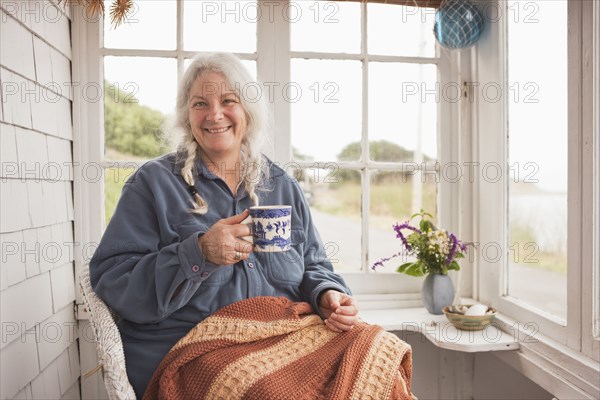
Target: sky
538	100
326	96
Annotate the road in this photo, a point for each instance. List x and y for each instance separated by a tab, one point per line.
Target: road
342	238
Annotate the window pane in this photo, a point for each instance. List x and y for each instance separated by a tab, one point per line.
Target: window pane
114	179
324	26
139	29
403	111
249	64
221	25
136	104
390	26
334	199
537	111
325	98
394	198
336	211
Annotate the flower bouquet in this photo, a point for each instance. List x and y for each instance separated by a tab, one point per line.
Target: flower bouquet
436	251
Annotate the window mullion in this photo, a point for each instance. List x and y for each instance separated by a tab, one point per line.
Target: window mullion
282	126
448	139
574	213
179	48
366	173
591	343
358	57
88	150
88	132
273	48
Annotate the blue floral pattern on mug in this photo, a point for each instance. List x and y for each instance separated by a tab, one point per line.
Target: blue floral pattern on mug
271	227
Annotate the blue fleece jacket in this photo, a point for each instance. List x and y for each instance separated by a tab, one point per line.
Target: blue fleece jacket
150	269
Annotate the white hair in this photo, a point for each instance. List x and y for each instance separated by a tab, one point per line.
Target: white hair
254	170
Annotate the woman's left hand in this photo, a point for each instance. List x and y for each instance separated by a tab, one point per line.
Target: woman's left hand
339	309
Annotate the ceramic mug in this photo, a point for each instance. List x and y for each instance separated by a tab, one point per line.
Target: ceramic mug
271	228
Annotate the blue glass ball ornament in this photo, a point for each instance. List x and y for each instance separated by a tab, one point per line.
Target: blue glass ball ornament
458	24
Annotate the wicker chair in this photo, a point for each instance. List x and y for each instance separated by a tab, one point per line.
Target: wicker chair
109	346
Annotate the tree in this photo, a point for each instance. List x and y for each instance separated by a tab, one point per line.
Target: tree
379	150
131	128
297	155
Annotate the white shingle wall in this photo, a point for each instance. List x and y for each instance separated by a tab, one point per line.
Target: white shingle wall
16	49
39	356
32	263
14	264
54	336
43	65
24	394
16	107
20	366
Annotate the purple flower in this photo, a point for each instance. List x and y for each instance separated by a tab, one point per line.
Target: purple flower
398	229
452	249
379	263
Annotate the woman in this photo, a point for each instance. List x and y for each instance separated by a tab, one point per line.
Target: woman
173	251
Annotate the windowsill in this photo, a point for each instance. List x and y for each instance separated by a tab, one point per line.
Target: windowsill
557	369
440	331
560	370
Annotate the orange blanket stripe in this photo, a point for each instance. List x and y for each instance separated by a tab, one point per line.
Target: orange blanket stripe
272	348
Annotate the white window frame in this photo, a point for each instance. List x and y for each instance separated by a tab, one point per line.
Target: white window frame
401	289
566	353
473	131
591	276
273	58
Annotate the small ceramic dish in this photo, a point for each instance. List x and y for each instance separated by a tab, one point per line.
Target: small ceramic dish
469	322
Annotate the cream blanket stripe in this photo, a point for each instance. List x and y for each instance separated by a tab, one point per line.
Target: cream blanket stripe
271	348
233	382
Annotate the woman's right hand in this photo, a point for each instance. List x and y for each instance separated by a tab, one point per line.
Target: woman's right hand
221	244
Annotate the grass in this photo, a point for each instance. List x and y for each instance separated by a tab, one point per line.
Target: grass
114	179
534	257
389	201
524	250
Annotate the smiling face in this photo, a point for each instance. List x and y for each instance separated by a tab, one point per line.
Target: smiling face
217	118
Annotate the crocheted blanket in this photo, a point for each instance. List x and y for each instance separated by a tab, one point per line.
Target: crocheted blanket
272	348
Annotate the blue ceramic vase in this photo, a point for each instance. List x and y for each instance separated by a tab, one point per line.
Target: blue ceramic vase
437	293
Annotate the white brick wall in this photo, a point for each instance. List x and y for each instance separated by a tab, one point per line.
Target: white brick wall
39	356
